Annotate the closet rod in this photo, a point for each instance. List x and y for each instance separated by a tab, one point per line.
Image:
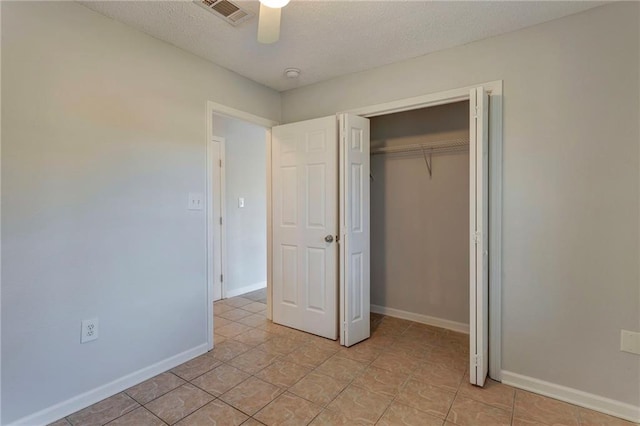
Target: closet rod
440	147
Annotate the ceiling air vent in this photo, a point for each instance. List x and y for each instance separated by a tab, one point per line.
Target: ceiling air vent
224	9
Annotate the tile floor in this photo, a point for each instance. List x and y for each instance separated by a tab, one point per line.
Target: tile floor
261	373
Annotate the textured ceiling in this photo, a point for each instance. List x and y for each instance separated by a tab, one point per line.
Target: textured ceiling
327	39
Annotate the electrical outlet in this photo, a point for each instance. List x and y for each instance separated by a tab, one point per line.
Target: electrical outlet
195	201
89	330
630	342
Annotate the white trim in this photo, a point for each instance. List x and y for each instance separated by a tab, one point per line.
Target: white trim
62	409
422	319
573	396
213	107
269	312
246	289
211	272
495	90
216	108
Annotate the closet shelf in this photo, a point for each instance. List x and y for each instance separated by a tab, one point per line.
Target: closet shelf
439	147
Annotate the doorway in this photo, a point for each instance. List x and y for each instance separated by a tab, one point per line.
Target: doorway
238	205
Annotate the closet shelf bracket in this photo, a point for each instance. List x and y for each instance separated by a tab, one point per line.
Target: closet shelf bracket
427	162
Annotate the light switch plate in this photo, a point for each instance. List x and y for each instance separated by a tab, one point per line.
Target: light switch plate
630	342
240	202
196	201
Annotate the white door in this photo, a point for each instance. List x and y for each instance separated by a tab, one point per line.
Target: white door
305	226
354	229
216	203
479	226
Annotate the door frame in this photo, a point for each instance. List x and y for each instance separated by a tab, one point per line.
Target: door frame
216	108
495	90
210	220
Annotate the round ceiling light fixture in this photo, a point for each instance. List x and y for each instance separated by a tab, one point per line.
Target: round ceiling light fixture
275	4
292	72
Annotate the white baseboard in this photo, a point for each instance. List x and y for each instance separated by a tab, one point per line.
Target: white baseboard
70	406
423	319
246	289
573	396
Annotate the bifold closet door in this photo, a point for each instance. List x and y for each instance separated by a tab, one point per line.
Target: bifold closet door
479	241
305	226
355	274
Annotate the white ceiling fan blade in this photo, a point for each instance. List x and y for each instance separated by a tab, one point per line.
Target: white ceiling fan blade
269	24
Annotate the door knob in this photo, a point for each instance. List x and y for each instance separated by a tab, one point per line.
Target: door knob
329	238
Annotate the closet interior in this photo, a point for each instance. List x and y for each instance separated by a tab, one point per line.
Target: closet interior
420	214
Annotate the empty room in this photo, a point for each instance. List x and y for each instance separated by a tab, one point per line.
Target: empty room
300	212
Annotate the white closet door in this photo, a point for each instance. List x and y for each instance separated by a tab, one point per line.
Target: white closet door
305	226
479	226
354	220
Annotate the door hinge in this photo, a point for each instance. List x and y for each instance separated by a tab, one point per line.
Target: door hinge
221	278
476	236
220	220
476	360
220	163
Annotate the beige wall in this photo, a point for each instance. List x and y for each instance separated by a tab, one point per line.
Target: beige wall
571	184
103	137
420	224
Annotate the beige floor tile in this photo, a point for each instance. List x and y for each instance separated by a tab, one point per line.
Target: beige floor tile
237	302
447	358
273	328
523	422
437	374
229	349
252	422
399	414
254	337
324	344
593	418
251	395
253	361
233	329
288	409
381	381
235	314
138	417
255	307
61	422
219	322
104	411
215	413
341	368
493	393
396	361
530	406
154	387
221	307
197	366
255	320
432	400
360	404
309	355
220	379
179	403
283	373
331	418
467	412
318	388
382	342
361	352
217	339
279	345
